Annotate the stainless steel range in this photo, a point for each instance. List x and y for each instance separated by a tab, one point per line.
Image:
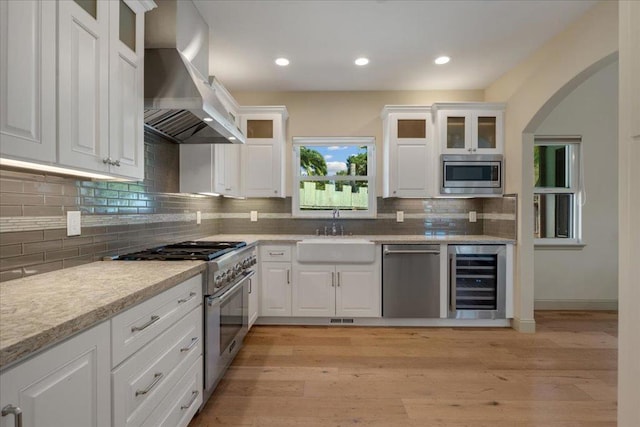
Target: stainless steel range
226	287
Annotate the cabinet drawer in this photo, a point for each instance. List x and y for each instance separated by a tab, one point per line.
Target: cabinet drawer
139	325
141	382
275	253
181	403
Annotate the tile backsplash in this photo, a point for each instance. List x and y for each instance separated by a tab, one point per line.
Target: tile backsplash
119	217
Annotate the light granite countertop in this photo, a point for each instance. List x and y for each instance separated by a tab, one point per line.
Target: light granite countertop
377	238
41	310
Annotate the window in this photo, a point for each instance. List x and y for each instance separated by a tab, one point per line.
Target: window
334	173
558	194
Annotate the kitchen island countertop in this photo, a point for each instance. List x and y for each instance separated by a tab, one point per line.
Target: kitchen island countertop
41	310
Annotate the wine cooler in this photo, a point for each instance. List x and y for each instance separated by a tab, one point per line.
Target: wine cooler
477	281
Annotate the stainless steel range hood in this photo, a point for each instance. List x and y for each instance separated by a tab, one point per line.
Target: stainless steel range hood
180	103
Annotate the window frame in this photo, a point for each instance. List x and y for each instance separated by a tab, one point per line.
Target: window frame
576	183
368	141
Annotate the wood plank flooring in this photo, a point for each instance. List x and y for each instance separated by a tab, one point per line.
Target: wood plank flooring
562	376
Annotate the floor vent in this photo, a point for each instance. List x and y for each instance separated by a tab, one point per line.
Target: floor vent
335	321
347	320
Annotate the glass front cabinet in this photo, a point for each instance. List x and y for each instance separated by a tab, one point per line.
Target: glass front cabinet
470	128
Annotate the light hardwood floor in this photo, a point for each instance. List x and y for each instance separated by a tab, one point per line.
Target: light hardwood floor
562	376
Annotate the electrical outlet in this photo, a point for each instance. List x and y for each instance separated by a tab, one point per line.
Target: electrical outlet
254	216
198	217
400	216
73	223
473	217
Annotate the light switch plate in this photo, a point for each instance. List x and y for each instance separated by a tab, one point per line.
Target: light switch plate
73	223
400	216
473	216
254	216
198	217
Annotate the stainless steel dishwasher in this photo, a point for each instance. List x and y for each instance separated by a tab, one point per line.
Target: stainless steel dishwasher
411	281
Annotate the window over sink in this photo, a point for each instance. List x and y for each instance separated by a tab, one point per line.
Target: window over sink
334	173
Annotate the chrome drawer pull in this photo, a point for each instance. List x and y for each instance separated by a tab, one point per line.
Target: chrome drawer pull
15	411
190	297
276	253
194	396
156	379
194	341
153	320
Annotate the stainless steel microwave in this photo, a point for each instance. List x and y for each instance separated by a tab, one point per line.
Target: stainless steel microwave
472	174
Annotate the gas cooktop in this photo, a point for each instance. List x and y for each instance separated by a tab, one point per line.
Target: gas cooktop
189	250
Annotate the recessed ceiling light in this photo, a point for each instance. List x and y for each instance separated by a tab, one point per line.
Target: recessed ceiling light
442	60
361	61
283	62
208	119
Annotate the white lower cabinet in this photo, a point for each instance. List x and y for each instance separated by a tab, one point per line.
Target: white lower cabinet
65	386
254	299
157	346
322	290
275	280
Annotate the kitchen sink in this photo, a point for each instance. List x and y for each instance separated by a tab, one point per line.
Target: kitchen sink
336	250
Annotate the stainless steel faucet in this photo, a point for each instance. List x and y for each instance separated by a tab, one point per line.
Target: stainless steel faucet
336	213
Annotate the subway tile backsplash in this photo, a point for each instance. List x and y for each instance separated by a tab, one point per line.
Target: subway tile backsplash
120	217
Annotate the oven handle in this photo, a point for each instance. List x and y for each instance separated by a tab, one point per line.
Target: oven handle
220	299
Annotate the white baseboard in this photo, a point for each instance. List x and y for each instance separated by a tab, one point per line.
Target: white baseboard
575	304
527	326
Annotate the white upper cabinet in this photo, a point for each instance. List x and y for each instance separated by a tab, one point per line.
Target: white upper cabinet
101	57
470	128
263	156
227	170
28	80
72	84
408	160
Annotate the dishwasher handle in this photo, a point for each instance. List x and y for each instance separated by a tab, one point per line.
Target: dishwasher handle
409	251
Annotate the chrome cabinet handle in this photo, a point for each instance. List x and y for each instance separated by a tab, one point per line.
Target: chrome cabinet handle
333	279
250	286
151	321
194	341
15	411
107	160
276	253
156	379
194	396
116	163
190	297
288	277
338	279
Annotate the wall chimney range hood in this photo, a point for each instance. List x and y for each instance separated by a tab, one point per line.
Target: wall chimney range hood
179	102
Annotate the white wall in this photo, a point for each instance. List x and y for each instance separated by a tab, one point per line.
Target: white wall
588	277
531	90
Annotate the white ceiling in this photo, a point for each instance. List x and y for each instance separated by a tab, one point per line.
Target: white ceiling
322	38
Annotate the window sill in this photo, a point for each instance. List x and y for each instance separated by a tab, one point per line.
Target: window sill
542	244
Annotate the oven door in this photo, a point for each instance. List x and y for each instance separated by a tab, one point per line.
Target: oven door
226	324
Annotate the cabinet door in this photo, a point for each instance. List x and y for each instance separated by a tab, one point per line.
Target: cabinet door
314	290
67	385
83	82
262	156
126	144
409	155
276	289
455	131
357	291
488	132
254	299
28	82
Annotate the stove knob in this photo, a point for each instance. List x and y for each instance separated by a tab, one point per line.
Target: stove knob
246	263
220	280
